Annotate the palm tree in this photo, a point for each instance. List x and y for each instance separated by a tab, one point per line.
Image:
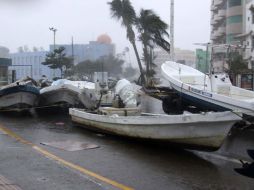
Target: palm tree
124	11
152	32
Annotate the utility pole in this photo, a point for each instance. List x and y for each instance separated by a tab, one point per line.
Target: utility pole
172	27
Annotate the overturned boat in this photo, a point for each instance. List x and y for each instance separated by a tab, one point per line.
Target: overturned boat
64	92
206	130
212	92
20	95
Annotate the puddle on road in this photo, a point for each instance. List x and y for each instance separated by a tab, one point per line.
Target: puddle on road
70	145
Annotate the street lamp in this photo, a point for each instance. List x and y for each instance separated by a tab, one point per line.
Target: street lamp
54	31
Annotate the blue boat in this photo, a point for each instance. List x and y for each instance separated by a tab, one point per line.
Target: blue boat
19	96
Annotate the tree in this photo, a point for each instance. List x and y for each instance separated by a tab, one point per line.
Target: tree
124	11
86	68
112	65
237	65
109	64
152	31
58	60
130	72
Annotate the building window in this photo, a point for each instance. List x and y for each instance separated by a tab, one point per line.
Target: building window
233	3
252	18
235	19
230	38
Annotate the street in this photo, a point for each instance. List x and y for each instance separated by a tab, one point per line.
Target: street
117	163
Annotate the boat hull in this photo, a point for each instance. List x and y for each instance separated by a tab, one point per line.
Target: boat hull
208	130
208	103
60	95
18	101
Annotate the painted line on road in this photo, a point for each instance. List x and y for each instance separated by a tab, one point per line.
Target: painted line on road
64	162
6	184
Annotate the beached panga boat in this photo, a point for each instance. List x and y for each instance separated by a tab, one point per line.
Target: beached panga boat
207	130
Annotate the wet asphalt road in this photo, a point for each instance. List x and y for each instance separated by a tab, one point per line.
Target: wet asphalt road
135	164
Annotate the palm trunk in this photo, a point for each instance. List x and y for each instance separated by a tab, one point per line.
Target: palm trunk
143	81
147	60
61	70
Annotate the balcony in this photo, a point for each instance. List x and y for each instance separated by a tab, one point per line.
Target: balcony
222	13
222	30
217	3
213	22
213	8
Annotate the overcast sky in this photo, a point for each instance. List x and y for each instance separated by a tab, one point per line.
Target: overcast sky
27	22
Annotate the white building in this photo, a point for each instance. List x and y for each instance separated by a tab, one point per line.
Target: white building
186	57
92	51
232	22
248	36
29	64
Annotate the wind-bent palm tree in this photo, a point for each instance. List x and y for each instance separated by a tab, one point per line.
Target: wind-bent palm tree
152	32
124	11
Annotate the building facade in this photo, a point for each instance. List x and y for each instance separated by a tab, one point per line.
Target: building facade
186	57
227	20
247	37
232	22
77	51
29	64
202	60
5	62
91	51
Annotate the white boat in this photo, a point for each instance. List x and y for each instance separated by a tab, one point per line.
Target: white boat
213	91
64	92
206	130
19	95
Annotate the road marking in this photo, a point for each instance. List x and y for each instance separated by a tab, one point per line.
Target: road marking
64	162
5	184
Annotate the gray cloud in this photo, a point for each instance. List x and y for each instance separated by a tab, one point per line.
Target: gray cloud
27	22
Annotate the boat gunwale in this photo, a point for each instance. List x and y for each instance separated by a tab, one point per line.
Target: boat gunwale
20	88
227	116
54	88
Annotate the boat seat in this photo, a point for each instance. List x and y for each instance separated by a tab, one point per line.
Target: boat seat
223	89
188	79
